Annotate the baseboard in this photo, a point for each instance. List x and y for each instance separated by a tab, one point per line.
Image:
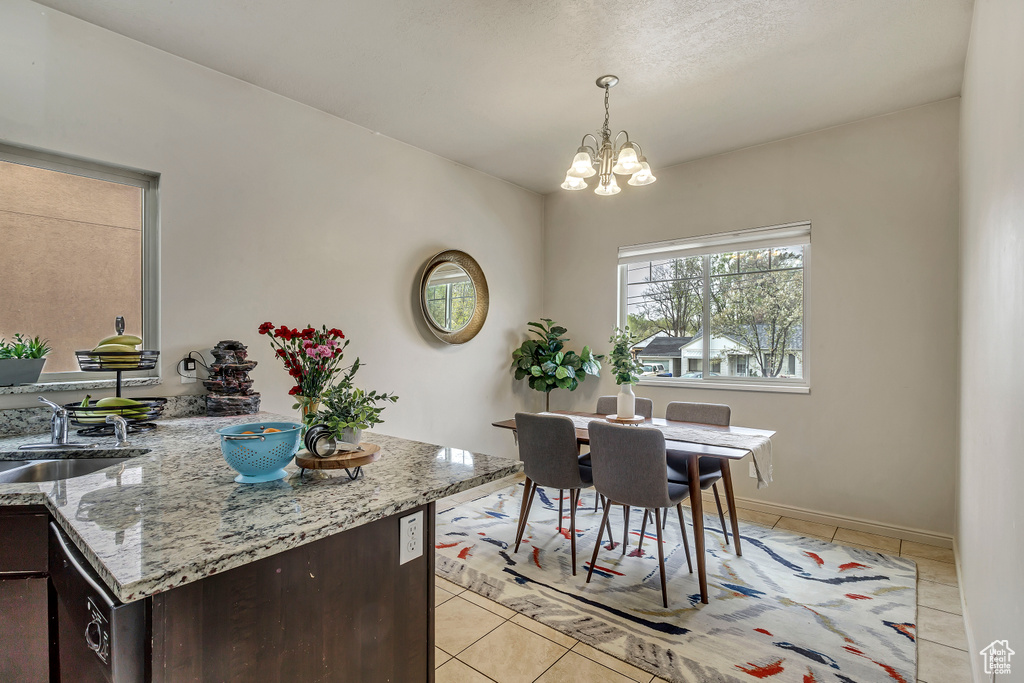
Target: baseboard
867	526
977	670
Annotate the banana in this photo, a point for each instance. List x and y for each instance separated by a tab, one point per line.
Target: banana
85	401
129	360
123	339
117	402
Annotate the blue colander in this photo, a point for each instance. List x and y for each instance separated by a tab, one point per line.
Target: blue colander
260	456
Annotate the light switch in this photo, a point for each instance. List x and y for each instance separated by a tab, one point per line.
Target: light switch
410	537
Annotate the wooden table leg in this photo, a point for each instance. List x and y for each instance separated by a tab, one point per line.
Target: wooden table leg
730	500
697	509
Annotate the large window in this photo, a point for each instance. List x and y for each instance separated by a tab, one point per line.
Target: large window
79	249
733	303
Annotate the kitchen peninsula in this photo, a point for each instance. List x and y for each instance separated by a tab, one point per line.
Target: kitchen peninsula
294	580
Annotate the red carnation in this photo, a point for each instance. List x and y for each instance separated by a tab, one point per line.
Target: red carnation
266	327
281	353
283	332
336	333
308	333
294	391
295	373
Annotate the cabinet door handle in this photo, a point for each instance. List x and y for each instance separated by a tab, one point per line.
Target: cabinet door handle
94	642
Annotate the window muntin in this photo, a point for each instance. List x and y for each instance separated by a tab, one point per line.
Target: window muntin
79	249
750	287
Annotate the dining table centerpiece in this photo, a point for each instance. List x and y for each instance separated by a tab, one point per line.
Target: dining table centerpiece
547	365
626	369
311	356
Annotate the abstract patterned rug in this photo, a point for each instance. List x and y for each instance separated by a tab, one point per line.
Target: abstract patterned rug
790	609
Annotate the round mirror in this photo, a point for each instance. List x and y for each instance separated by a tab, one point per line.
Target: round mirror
453	295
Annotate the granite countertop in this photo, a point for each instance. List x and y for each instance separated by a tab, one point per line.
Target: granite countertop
172	514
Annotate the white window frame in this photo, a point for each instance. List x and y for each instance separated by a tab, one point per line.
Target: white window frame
786	235
149	182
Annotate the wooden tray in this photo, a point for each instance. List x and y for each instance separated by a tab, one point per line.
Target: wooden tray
635	420
367	453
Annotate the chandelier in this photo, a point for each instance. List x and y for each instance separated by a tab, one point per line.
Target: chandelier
625	159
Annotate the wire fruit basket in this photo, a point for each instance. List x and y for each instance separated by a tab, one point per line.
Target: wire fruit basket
93	418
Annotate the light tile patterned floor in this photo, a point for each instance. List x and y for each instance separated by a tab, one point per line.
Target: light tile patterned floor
480	641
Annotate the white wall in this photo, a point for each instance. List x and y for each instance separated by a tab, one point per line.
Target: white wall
875	438
990	503
262	220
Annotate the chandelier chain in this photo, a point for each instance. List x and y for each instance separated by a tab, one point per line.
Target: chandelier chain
606	132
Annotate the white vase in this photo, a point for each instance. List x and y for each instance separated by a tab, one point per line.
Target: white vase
625	402
351	436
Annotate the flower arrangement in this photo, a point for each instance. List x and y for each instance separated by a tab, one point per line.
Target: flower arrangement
311	356
626	368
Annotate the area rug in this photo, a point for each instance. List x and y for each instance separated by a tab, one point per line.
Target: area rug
790	609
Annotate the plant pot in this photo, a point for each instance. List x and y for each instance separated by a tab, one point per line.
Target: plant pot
351	436
14	371
625	402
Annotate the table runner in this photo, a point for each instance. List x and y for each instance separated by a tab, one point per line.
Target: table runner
760	447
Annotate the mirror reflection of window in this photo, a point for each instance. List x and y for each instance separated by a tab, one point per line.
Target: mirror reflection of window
450	297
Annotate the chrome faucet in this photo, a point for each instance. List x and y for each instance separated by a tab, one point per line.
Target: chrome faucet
120	430
58	431
58	423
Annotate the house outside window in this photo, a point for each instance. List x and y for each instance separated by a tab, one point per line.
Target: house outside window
732	302
79	249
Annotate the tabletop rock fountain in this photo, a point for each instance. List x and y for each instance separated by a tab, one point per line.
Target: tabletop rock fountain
229	384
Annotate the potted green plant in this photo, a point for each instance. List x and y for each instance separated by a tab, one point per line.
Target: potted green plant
347	410
21	360
547	365
627	371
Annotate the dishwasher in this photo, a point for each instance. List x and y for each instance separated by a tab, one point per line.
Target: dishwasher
99	638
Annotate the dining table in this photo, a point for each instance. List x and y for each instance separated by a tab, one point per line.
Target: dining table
694	450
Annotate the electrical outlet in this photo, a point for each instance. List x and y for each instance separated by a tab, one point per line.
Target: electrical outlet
410	537
188	370
753	471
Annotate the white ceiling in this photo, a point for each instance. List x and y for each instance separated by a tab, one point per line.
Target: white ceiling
507	86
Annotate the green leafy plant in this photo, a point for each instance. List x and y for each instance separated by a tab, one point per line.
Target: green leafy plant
345	406
627	368
23	347
547	365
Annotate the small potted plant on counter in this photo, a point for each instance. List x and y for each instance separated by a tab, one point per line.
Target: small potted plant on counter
347	410
21	360
627	370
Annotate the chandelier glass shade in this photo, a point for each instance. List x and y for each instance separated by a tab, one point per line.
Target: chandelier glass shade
606	157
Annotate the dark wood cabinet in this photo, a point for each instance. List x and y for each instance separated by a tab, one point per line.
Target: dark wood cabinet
24	596
338	609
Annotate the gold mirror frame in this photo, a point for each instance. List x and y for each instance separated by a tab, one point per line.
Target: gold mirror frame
476	276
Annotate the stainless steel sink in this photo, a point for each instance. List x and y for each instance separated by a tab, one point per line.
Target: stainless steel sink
31	471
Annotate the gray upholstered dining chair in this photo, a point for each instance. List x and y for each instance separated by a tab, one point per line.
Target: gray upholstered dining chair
629	470
608	405
710	469
547	447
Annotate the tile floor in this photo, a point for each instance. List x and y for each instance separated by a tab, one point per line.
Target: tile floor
480	641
